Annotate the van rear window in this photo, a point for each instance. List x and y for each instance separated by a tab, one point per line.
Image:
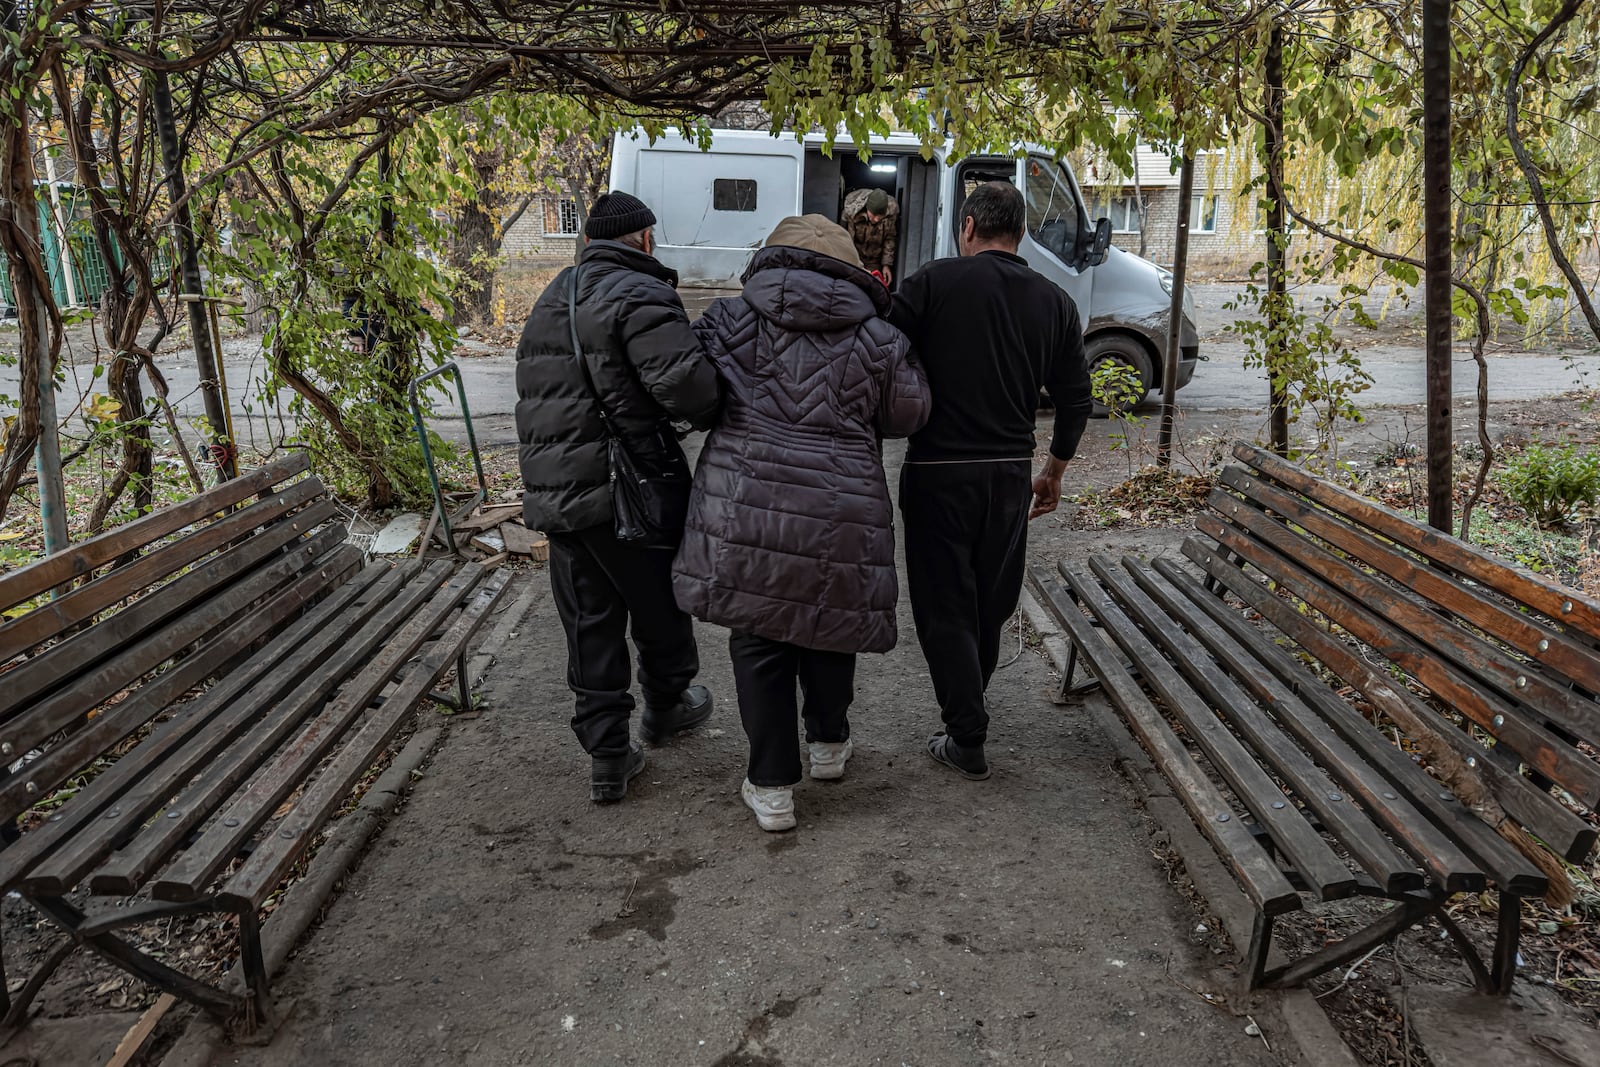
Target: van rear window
733	194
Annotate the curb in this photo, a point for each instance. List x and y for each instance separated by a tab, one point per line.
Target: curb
1308	1026
203	1038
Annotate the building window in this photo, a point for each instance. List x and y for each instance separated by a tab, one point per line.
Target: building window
560	218
569	218
1123	211
1203	213
733	194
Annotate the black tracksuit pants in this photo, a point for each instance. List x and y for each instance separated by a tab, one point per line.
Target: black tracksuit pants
966	549
601	586
766	674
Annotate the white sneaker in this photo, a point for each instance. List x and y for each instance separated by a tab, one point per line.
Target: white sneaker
828	758
774	807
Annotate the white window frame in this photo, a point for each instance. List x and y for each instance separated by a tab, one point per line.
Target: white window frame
1197	211
565	207
1123	210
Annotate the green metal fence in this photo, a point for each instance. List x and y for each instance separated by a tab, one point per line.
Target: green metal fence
90	274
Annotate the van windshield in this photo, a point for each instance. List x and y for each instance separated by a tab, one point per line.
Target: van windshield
1053	219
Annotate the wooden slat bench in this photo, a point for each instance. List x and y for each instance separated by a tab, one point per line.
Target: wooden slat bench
214	698
1491	670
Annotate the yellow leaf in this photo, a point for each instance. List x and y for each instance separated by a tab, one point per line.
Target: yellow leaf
101	408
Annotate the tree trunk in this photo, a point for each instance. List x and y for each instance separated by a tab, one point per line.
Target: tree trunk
1138	198
1437	253
122	316
206	357
40	342
1276	307
473	249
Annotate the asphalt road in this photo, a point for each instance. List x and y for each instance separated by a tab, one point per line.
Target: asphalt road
1392	355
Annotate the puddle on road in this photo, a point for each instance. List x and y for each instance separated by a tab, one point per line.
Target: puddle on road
651	904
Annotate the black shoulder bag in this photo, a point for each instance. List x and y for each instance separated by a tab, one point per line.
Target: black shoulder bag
649	501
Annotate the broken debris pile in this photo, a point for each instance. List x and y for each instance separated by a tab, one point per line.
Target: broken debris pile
491	531
497	528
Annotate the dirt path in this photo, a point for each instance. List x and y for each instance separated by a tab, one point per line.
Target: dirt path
912	918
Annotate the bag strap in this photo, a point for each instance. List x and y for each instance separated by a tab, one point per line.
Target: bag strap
577	348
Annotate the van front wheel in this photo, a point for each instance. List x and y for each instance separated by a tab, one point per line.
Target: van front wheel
1127	389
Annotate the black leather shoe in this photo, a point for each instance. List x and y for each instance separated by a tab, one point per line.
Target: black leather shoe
609	775
692	709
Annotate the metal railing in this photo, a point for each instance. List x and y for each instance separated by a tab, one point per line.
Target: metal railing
482	495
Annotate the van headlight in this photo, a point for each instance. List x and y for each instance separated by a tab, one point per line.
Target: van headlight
1165	278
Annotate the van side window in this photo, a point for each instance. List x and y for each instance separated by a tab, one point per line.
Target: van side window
1053	219
733	194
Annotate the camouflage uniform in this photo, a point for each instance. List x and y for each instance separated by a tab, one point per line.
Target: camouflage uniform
875	241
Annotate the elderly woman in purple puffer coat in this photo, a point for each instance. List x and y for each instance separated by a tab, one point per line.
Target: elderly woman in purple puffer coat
790	539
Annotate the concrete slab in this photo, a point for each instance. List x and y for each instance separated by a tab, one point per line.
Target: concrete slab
399	535
69	1042
1533	1028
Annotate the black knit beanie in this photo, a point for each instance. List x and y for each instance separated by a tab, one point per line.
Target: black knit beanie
617	215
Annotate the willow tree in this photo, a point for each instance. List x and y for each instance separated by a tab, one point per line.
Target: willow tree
1354	176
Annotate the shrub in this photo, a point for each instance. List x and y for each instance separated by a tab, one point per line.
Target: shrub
1552	482
1117	386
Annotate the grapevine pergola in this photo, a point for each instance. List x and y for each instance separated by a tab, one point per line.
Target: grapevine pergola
693	56
829	62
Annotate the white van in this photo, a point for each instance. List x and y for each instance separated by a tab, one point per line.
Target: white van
715	207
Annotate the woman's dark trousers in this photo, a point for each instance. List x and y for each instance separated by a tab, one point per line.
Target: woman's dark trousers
767	674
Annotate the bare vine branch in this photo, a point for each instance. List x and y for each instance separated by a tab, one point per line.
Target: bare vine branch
1530	170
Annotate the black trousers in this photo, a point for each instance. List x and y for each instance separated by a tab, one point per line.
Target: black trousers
966	549
766	673
600	587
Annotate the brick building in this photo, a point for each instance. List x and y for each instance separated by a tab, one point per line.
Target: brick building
1224	231
547	231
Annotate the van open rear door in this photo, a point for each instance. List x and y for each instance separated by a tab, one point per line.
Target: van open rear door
714	208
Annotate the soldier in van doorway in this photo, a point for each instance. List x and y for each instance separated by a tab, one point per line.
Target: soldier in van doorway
873	219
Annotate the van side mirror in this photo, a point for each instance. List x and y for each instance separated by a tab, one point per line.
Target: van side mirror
1099	244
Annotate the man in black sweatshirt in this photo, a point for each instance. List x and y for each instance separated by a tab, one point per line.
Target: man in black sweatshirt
989	332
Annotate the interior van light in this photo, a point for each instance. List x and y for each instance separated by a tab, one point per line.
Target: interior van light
884	168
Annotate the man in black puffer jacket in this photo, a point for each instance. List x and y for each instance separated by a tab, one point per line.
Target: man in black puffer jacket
648	369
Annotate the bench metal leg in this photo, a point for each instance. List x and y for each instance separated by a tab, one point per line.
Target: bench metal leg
1254	964
1482	980
17	1006
465	683
257	1007
1089	684
143	913
144	967
1398	919
461	700
1507	942
1211	584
